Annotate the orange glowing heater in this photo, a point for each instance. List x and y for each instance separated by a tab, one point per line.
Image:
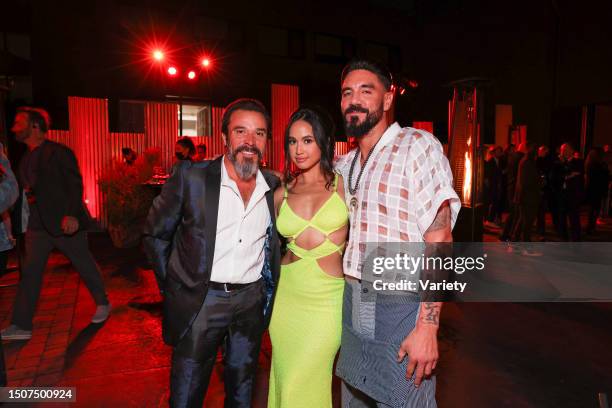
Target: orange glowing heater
465	153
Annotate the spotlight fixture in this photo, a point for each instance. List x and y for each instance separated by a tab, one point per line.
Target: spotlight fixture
191	75
158	55
206	62
172	71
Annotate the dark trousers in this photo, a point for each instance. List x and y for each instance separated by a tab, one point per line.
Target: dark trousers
543	207
2	367
510	222
594	209
3	261
493	207
235	318
526	215
38	246
569	209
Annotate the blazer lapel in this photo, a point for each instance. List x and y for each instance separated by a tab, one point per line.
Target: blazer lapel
272	183
213	186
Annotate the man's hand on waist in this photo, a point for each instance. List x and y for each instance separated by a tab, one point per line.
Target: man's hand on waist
70	225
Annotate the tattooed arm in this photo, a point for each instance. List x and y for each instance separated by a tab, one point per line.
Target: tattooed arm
421	345
440	228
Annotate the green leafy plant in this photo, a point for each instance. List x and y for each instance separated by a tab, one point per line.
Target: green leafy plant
126	199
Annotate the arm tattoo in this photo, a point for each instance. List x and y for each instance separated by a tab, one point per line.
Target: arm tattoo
442	219
430	313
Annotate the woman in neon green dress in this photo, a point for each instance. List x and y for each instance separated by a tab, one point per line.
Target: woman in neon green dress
306	321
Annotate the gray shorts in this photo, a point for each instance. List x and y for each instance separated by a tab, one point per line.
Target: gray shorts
373	328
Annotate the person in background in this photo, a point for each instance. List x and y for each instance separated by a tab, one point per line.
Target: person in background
607	158
493	185
9	183
9	192
596	178
200	155
184	149
544	165
527	194
503	164
568	186
52	182
128	155
512	167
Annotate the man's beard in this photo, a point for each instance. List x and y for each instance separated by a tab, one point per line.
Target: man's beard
355	129
247	168
22	136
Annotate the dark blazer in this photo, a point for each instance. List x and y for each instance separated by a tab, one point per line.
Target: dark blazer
529	184
179	240
512	169
58	188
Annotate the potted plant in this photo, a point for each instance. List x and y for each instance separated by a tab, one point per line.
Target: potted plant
127	199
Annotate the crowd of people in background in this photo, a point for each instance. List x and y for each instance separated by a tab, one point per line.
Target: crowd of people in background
529	182
184	149
525	182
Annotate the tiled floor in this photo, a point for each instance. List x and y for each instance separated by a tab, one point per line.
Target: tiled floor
515	355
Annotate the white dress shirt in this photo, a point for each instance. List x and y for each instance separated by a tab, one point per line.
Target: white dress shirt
241	232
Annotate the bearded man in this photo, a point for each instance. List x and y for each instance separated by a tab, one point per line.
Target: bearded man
399	189
211	239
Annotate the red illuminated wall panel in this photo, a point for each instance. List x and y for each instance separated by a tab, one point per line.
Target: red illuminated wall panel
285	101
161	129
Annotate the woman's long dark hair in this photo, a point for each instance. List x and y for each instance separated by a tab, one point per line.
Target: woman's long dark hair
323	131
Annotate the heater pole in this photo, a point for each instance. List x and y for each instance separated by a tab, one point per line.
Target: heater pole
475	142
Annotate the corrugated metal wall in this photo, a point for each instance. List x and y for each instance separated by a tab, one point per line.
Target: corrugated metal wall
285	101
135	141
341	149
95	147
60	136
89	139
161	129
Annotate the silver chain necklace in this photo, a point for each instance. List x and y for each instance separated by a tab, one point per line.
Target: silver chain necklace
353	191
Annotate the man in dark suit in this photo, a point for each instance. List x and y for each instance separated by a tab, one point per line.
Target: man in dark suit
211	239
568	184
512	168
492	187
52	182
527	195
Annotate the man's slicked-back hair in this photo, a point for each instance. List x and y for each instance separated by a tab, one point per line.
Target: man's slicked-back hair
245	104
377	68
37	116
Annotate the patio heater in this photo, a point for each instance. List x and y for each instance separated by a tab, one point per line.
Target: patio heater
466	156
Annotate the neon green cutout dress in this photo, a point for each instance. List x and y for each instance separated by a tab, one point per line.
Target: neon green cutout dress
306	320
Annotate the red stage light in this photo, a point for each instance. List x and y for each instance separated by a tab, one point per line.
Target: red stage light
158	55
206	62
191	75
172	71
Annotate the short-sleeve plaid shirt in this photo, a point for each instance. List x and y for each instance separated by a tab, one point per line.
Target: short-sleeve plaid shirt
402	187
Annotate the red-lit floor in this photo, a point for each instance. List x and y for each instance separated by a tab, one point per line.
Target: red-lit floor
492	355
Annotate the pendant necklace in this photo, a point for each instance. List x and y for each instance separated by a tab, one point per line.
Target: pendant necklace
353	190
